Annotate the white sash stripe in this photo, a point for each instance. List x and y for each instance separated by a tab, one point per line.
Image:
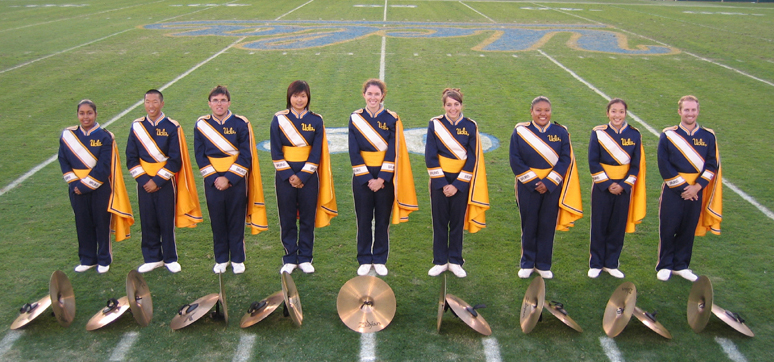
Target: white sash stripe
237	169
217	139
435	172
368	132
600	177
538	145
529	175
281	165
291	132
690	153
613	148
79	149
675	181
207	170
449	140
309	167
136	171
70	177
147	141
359	170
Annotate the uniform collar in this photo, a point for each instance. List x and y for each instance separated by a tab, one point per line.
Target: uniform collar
690	133
299	115
156	122
89	132
542	130
623	127
228	115
455	122
373	115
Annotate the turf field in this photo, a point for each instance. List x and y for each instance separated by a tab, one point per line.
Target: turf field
501	53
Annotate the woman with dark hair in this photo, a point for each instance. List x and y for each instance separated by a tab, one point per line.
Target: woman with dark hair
458	188
88	157
617	165
382	181
547	186
303	179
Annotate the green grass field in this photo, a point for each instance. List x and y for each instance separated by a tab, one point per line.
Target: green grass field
54	53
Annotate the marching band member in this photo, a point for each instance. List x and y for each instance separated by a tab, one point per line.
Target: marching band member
547	186
157	158
225	151
458	187
617	165
88	157
692	193
303	178
382	181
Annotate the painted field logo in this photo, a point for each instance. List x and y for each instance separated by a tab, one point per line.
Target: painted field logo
295	35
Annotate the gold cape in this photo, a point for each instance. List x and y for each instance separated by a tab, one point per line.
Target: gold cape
188	212
570	205
478	194
119	206
638	201
403	180
326	196
712	203
256	207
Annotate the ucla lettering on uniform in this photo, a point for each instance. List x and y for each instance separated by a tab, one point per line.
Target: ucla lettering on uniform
699	142
95	143
161	132
627	142
554	138
228	130
307	127
284	35
462	131
383	125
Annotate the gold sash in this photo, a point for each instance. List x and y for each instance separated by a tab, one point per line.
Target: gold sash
541	172
152	168
451	165
616	172
81	173
222	164
690	178
296	154
373	159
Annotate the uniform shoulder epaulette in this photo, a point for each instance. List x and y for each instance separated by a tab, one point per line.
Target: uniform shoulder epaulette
565	128
282	112
71	128
601	127
634	128
671	128
111	135
243	118
139	119
176	123
709	130
204	118
471	119
359	111
522	124
393	114
314	114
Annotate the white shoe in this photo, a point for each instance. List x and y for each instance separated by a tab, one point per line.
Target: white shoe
288	268
220	268
380	269
525	273
150	266
686	273
546	274
102	269
82	268
457	270
238	268
306	267
437	270
363	269
174	267
663	274
615	273
594	272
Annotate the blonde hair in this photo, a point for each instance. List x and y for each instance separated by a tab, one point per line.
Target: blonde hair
453	93
685	99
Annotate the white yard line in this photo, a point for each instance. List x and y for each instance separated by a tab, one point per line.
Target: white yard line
53	158
667	45
611	350
245	349
368	347
730	349
491	349
299	7
123	347
7	342
478	12
652	130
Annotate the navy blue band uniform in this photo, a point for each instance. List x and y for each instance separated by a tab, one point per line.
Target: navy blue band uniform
90	163
223	148
296	149
372	141
686	158
450	157
539	154
153	153
614	157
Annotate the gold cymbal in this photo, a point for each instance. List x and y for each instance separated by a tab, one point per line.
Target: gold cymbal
649	319
140	301
733	320
557	309
532	305
700	304
366	304
62	298
30	311
260	310
113	310
292	299
441	302
190	313
468	314
222	297
619	309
